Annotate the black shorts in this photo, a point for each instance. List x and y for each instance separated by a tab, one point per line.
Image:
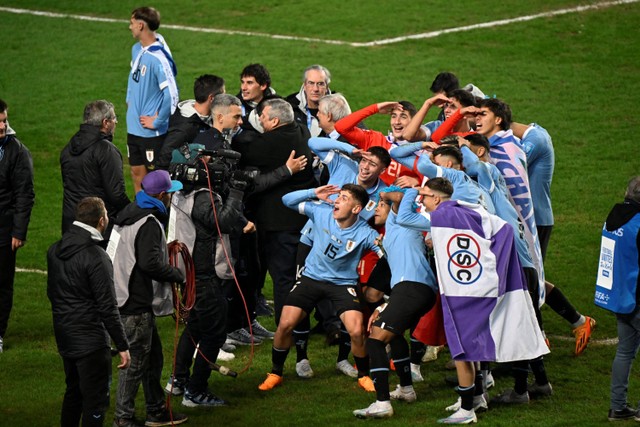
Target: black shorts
409	301
307	292
544	235
380	277
144	151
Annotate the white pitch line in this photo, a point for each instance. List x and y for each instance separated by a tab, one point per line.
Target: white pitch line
490	24
30	270
596	342
431	34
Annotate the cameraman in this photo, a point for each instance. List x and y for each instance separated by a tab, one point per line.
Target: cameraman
226	116
202	230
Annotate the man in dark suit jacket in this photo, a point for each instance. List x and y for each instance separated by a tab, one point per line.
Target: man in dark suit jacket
278	227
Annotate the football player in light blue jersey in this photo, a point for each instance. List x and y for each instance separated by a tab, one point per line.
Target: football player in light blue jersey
152	93
340	237
538	147
342	170
345	170
447	161
413	294
475	155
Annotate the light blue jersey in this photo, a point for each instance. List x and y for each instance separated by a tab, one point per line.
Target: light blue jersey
431	127
336	251
492	180
540	163
404	246
342	170
464	188
151	89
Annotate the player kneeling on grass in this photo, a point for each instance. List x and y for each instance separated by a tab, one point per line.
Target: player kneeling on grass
340	238
413	293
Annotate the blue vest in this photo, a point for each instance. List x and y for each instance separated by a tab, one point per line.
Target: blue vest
617	281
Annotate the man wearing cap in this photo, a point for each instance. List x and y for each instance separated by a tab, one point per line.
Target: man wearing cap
138	249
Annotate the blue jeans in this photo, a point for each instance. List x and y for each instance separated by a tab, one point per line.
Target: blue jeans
628	345
146	367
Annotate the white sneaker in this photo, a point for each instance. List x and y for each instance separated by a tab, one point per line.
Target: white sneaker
224	356
431	353
303	369
376	410
461	416
479	404
416	375
405	394
489	381
347	368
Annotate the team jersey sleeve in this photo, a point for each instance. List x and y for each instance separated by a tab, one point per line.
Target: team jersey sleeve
430	127
470	161
348	127
427	168
162	121
446	128
531	146
297	200
324	146
408	217
405	154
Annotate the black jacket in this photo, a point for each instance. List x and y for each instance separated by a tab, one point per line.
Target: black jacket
182	130
91	166
83	301
16	190
267	152
229	218
150	264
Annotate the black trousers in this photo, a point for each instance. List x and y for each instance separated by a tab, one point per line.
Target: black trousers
206	326
279	250
7	274
250	279
87	394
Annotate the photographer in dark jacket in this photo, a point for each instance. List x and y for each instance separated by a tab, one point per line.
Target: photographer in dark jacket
83	304
278	227
91	165
16	201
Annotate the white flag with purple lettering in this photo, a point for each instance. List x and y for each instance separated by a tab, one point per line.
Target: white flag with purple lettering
509	157
488	313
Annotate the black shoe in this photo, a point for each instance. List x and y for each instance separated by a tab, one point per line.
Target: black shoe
126	422
622	414
333	336
165	418
263	308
